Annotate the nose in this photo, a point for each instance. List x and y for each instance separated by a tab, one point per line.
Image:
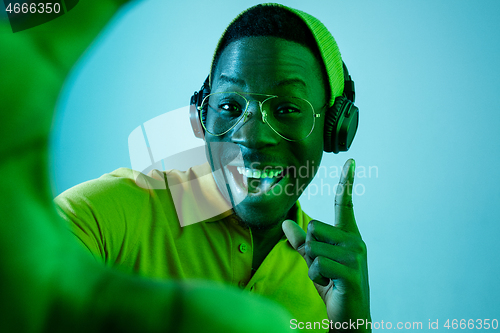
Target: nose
253	132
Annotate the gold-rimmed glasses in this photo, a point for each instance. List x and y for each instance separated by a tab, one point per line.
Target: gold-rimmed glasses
292	118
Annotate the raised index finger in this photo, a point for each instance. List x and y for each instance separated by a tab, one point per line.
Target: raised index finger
344	213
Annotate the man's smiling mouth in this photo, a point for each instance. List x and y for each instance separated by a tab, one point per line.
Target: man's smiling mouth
256	181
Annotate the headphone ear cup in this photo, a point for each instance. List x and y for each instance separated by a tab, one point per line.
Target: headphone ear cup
341	124
194	116
204	93
194	110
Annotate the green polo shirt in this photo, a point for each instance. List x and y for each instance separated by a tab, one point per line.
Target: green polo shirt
150	225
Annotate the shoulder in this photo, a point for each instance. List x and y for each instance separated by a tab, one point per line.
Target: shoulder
111	213
302	218
123	183
116	196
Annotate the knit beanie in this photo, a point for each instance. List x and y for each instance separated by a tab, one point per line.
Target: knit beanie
327	45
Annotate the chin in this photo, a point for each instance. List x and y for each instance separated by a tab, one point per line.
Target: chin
261	217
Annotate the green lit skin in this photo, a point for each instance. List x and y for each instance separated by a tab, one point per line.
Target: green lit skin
48	282
336	257
256	65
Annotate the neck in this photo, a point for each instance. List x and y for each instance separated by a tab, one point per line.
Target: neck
263	243
265	239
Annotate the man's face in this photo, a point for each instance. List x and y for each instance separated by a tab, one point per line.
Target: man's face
274	66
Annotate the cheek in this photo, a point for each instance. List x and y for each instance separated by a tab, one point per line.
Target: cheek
311	152
212	152
316	144
220	151
317	139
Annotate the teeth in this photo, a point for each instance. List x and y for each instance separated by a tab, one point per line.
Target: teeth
253	173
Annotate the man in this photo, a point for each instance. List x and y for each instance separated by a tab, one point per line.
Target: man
269	50
48	283
275	77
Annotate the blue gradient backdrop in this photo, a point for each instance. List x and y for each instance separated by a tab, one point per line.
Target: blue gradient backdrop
427	79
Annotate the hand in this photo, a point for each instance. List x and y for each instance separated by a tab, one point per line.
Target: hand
336	257
48	282
34	64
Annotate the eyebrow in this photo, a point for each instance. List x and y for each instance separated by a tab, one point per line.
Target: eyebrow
230	79
291	81
242	83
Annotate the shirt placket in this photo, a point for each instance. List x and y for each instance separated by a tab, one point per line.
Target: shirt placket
241	254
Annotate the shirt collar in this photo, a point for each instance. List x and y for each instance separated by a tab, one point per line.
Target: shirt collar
197	197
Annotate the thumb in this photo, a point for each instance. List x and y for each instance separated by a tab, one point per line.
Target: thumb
297	238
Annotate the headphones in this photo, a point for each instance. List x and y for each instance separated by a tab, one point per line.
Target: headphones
341	120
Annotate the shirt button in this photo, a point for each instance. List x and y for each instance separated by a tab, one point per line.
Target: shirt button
243	248
242	284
